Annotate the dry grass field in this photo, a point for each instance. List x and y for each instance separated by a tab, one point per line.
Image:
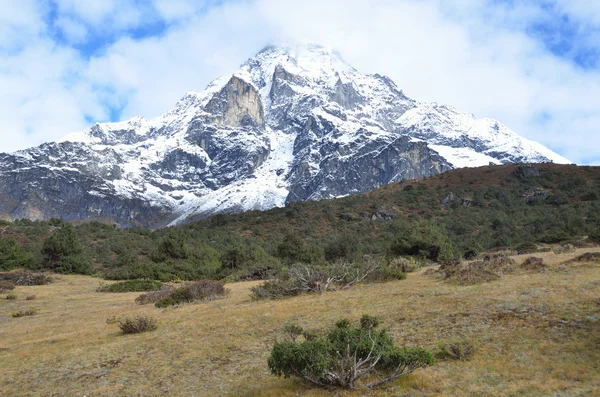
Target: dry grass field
536	334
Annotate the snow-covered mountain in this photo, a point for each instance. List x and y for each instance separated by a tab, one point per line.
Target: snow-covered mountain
292	124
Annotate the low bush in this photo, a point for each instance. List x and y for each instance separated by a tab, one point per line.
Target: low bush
11	297
587	257
455	350
26	312
490	268
140	285
6	286
137	324
533	263
25	277
196	291
526	248
396	270
344	354
30	297
564	249
178	296
153	297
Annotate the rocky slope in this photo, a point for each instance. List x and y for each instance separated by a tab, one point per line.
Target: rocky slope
291	124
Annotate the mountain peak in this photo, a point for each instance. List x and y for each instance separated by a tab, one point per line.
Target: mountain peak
295	122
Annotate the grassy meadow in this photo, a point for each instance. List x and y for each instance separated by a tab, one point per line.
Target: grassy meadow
535	333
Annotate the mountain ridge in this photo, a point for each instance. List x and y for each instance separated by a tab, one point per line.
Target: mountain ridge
292	124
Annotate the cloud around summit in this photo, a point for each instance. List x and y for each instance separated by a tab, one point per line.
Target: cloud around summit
535	66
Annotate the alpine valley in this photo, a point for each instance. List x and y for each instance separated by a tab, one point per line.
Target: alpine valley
292	124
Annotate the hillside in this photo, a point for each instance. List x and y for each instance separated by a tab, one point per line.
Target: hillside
439	218
535	334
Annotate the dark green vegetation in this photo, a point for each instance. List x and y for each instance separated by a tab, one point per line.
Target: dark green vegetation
132	286
490	207
344	354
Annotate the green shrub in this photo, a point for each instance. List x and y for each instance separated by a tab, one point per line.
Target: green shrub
274	289
406	265
455	350
177	297
594	236
137	324
13	255
63	252
564	249
526	248
344	248
139	285
344	354
555	236
395	270
294	249
11	297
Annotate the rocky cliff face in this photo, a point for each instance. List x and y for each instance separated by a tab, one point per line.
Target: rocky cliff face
292	124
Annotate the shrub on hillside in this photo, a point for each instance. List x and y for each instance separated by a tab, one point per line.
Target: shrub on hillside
526	248
137	324
25	278
155	296
594	236
202	290
293	249
140	285
534	264
13	255
564	249
300	278
6	286
406	265
343	248
395	270
587	257
243	260
490	268
11	297
555	237
424	239
345	354
64	253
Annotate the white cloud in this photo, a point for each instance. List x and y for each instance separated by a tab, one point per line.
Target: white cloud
468	53
74	31
19	23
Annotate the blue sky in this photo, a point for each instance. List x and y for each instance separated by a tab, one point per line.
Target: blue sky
534	65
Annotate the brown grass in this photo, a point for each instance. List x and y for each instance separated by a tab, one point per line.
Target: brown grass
536	334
